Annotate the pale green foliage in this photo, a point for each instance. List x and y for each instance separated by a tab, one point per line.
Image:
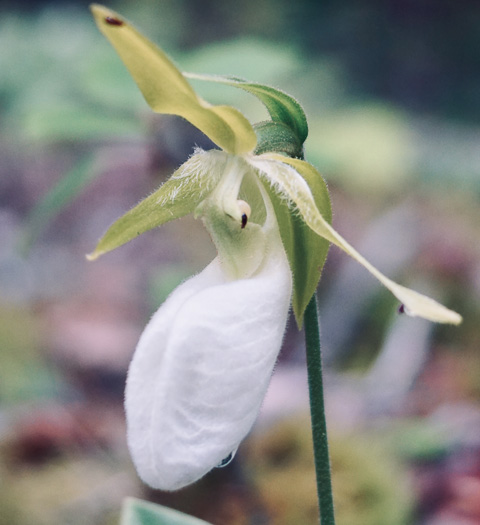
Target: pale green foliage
138	512
177	197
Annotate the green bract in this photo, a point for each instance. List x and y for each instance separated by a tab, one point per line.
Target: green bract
269	153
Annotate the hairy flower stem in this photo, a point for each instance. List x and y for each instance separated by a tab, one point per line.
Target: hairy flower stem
317	411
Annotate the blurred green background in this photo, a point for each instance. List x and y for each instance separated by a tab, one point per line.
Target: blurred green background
392	93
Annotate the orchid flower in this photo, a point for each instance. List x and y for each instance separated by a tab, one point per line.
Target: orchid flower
203	363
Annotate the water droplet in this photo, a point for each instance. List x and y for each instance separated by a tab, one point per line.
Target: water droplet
226	461
113	21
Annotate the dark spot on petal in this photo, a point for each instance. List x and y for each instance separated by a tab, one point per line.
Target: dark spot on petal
113	21
401	309
244	220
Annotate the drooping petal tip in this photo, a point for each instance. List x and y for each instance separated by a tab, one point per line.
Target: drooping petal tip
283	174
418	305
92	256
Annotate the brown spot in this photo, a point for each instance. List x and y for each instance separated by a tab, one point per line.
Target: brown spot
113	21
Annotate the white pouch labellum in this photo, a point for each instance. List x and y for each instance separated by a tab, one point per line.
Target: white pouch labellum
202	367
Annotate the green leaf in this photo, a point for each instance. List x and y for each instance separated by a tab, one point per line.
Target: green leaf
281	106
306	251
166	90
57	198
177	197
138	512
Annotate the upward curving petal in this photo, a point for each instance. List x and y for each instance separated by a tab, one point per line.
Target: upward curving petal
282	173
166	90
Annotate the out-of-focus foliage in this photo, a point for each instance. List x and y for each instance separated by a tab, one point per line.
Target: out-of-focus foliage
76	491
59	84
369	485
24	375
137	512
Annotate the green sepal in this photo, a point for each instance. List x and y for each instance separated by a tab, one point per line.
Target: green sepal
138	512
281	106
167	91
178	196
278	137
306	250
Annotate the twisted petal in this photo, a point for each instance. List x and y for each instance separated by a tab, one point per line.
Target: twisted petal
201	370
282	173
167	91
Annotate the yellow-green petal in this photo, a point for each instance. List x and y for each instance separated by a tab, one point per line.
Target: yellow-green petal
167	91
283	174
178	196
306	251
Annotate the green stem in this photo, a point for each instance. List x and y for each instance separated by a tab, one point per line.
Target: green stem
317	411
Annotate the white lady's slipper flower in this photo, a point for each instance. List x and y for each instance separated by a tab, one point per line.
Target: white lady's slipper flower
203	363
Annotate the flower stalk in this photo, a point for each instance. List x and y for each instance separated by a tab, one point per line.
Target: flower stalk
317	414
